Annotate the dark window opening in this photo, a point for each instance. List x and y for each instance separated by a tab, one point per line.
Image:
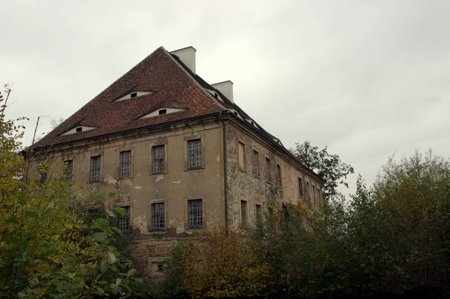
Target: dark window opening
68	169
79	129
133	94
243	212
162	111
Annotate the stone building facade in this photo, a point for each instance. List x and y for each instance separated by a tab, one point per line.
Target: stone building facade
177	153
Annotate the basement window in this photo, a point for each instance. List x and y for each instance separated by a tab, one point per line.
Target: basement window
162	111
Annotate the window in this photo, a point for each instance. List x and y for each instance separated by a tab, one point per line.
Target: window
95	169
42	177
255	163
194	151
68	169
133	94
123	221
162	111
300	187
241	155
195	213
268	170
79	129
243	212
125	164
278	179
258	215
158	216
159	159
307	190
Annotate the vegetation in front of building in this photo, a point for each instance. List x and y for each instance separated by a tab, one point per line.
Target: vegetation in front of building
390	239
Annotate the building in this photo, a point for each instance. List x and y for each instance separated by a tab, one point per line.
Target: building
180	156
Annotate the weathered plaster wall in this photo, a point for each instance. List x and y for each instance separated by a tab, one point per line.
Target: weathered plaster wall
242	184
174	187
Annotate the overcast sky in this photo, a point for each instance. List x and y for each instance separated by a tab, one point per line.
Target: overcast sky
369	79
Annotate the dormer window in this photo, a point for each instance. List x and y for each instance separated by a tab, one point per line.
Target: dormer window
162	111
133	94
78	129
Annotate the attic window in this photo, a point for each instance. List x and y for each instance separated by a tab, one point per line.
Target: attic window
131	95
79	129
162	111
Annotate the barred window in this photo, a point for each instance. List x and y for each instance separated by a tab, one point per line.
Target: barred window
159	159
125	164
255	163
194	154
123	221
95	169
268	170
195	213
243	212
68	169
158	215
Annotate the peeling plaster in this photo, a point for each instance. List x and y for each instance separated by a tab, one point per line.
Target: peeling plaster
159	178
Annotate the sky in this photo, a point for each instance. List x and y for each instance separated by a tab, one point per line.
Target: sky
368	79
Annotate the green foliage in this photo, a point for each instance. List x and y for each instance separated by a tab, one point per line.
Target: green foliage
329	167
221	265
49	247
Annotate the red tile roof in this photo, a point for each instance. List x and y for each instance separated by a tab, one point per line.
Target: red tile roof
171	85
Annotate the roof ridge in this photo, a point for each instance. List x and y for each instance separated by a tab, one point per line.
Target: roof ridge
191	76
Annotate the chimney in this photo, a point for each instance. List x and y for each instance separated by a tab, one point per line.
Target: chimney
187	56
226	88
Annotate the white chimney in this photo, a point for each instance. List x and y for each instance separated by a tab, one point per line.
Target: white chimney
187	56
226	88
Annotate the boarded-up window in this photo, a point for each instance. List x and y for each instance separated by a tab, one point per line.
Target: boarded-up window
255	163
241	155
268	170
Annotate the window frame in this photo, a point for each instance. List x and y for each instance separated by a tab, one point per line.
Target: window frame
193	216
126	217
268	170
129	161
160	215
200	148
68	170
241	156
244	213
255	163
163	168
97	172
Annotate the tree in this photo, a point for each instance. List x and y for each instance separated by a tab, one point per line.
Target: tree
49	245
329	167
